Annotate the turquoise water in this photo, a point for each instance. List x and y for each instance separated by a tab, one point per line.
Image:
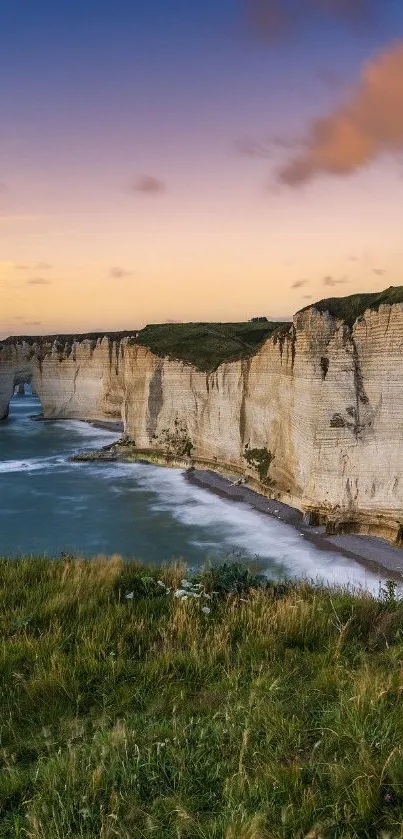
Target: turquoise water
49	505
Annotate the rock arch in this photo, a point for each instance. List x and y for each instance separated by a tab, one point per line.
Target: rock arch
74	379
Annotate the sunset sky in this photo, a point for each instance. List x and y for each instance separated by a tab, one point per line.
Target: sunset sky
196	159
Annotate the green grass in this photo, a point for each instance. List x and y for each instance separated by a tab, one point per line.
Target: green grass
352	307
278	714
206	345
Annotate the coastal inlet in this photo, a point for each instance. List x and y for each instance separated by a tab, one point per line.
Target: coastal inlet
51	505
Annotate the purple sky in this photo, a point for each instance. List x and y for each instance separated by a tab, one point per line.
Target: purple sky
190	161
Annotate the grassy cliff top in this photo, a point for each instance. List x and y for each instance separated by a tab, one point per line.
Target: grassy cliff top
206	345
348	309
68	339
260	711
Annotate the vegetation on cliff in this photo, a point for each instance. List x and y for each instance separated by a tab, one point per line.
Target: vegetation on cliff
348	309
206	345
135	703
259	459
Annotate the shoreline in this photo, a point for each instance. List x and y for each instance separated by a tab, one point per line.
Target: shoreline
373	553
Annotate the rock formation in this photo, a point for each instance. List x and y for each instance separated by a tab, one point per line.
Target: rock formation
314	417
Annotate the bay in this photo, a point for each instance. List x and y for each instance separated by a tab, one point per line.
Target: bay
49	505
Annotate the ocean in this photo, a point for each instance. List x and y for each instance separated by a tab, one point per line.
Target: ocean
50	506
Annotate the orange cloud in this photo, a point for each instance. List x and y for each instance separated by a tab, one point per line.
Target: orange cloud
368	124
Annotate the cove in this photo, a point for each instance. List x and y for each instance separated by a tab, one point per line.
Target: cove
49	505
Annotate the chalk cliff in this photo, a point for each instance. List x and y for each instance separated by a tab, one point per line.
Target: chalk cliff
314	417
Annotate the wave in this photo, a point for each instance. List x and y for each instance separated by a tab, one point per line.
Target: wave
33	464
29	465
84	429
225	525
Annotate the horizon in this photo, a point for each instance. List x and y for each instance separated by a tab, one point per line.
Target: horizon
196	165
130	331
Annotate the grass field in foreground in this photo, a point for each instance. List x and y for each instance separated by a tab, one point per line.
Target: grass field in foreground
127	711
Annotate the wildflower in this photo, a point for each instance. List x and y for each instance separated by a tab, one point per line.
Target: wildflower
206	610
180	592
160	583
130	595
186	584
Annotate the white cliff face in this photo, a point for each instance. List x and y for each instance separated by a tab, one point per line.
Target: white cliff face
83	381
315	418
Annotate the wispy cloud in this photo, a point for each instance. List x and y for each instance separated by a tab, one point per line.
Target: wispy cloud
33	266
265	147
16	218
273	19
299	284
332	281
379	271
117	273
367	125
39	281
148	185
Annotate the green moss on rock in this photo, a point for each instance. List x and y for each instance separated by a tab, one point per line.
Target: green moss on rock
259	459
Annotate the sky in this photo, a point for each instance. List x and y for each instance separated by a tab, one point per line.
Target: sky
190	161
